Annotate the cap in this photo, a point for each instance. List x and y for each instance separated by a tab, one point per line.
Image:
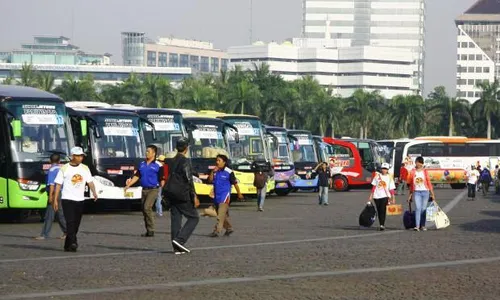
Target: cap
161	158
386	166
182	143
77	151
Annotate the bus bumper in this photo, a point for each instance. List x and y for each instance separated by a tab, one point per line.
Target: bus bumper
25	199
203	189
306	183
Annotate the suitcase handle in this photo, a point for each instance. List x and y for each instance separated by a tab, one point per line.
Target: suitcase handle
409	206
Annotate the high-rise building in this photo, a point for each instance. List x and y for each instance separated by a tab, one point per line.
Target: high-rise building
381	23
200	56
478	47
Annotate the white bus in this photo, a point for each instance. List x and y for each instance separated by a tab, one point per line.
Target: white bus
393	150
448	159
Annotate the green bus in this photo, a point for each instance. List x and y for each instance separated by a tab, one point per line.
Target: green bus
33	125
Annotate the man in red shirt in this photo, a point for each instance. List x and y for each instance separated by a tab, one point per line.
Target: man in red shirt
403	175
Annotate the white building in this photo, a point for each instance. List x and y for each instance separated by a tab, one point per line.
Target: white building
478	47
343	69
101	74
382	23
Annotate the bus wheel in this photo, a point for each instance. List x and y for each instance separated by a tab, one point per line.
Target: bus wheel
281	192
458	186
340	183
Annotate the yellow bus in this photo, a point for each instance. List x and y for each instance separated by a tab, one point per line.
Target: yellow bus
250	148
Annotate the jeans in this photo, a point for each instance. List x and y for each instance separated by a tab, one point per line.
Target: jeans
159	208
323	194
421	198
49	219
381	205
178	232
261	197
73	211
401	187
471	190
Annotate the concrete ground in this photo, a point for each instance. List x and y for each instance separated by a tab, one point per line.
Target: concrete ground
295	249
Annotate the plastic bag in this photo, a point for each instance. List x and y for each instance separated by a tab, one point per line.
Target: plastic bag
431	211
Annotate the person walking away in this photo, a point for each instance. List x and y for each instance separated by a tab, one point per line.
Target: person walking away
158	205
403	175
497	180
180	194
323	182
150	174
382	192
260	183
50	212
70	186
472	178
485	179
420	190
223	178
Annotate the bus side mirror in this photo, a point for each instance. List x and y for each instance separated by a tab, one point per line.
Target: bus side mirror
83	127
16	128
237	137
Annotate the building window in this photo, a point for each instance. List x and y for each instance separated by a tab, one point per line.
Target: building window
223	64
470	70
184	61
486	69
479	57
204	66
471	56
477	94
461	94
458	45
470	82
214	64
464	44
194	62
173	60
464	56
461	82
151	59
471	45
479	70
470	94
162	59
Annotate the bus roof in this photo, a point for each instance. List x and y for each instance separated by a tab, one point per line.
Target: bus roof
101	112
450	139
16	91
275	128
395	140
196	117
147	110
87	104
299	131
184	111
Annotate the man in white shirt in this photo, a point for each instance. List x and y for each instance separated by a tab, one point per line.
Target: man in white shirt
73	177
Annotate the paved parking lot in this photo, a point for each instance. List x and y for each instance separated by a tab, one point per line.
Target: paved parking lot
295	249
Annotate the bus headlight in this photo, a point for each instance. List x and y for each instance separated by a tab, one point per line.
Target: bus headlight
28	185
104	181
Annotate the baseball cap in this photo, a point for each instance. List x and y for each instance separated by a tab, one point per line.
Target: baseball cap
386	166
77	151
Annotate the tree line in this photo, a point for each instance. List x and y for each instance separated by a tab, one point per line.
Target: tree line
302	103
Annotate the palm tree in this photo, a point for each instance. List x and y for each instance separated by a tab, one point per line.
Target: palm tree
324	111
243	94
156	92
111	94
197	94
362	106
131	90
308	88
454	111
8	81
27	76
72	89
488	104
282	104
45	81
408	114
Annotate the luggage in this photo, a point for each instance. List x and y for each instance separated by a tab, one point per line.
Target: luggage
367	216
441	220
409	218
394	210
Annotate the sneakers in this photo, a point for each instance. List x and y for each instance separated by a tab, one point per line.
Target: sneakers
71	248
416	229
148	234
228	232
325	204
260	209
62	237
39	238
381	228
214	234
179	248
423	229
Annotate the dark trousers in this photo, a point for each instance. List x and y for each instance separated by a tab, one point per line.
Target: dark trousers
178	232
471	190
73	211
381	205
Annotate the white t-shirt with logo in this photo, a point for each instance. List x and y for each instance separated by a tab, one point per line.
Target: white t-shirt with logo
383	185
73	179
419	181
473	176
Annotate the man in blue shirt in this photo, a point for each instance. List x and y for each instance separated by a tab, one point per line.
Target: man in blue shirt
150	175
223	178
50	213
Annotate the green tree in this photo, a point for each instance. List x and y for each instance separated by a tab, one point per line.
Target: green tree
452	112
243	96
131	90
72	89
45	81
281	104
488	104
27	76
362	106
157	92
197	94
408	114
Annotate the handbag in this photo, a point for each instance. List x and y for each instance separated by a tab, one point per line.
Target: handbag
394	209
441	220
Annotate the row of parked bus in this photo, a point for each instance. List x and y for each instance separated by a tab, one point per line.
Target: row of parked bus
34	124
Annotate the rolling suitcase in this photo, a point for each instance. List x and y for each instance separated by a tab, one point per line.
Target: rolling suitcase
409	218
367	216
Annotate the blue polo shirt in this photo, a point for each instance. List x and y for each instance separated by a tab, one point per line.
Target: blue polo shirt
150	174
223	180
51	175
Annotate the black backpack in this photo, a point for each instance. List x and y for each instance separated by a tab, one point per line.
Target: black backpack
177	189
367	216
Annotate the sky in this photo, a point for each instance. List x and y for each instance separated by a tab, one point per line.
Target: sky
95	25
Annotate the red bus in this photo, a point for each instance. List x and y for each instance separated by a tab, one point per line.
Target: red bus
353	162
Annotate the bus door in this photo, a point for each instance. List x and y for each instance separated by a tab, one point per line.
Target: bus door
398	157
367	158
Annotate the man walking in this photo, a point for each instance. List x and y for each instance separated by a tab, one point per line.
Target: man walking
72	178
180	194
150	174
50	212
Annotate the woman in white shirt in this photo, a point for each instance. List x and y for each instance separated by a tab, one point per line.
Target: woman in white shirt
472	178
420	189
383	190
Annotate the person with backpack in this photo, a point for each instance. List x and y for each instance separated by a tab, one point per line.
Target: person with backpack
181	197
223	178
382	193
260	183
485	179
420	190
472	179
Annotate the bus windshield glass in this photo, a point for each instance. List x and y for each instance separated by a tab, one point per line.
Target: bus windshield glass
168	131
251	145
304	150
208	140
281	152
120	137
387	150
43	130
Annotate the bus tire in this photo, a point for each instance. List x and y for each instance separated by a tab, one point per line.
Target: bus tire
281	192
458	186
340	183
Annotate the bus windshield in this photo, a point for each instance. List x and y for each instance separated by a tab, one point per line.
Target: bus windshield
304	149
120	137
44	130
168	131
251	146
208	140
281	152
387	150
